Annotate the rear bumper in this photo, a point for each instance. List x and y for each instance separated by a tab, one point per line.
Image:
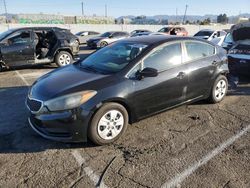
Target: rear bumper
68	126
239	66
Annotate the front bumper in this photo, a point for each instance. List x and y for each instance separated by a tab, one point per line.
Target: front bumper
92	44
68	126
76	58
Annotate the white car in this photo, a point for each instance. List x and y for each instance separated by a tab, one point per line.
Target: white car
209	34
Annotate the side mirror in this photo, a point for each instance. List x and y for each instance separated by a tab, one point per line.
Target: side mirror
205	37
111	36
147	72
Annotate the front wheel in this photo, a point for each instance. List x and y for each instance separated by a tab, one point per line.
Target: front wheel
103	44
219	89
108	124
63	58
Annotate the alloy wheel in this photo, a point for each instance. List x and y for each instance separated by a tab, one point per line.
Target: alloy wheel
64	59
110	125
220	89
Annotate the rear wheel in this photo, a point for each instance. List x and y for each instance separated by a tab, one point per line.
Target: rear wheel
63	58
219	89
108	124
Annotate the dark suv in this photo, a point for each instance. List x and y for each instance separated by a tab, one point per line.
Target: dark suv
37	45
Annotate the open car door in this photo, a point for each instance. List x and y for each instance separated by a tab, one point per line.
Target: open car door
18	48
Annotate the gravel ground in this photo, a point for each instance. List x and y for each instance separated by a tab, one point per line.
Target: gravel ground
190	146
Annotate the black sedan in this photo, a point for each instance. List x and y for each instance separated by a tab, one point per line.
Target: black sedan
37	45
124	83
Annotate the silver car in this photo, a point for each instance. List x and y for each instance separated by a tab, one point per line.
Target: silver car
106	39
83	36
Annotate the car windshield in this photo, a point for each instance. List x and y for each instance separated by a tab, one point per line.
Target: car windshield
79	33
107	34
113	58
4	34
204	33
228	38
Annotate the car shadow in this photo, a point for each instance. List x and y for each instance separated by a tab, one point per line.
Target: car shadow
15	134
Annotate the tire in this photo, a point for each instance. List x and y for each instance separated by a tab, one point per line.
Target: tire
219	89
103	44
1	67
104	129
63	58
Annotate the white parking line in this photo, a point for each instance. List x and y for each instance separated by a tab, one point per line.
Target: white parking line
178	179
89	172
22	78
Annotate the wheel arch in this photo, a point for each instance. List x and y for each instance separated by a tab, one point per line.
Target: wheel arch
131	116
63	49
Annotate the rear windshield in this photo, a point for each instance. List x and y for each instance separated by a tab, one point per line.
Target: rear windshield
203	33
113	58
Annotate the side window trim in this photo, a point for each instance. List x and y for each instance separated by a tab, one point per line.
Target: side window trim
165	45
185	55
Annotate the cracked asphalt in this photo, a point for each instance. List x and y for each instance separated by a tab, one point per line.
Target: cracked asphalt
151	153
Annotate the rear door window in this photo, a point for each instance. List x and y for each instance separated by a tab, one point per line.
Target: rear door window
198	50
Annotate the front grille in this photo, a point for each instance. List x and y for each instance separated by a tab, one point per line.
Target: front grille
34	105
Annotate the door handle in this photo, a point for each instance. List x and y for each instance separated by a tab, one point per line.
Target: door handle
181	75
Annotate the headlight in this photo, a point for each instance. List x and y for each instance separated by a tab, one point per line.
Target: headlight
70	101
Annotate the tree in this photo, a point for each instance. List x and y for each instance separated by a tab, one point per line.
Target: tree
205	22
222	18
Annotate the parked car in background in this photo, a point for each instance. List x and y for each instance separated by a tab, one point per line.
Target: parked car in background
139	31
37	45
124	83
179	31
220	40
146	34
239	53
209	34
228	42
83	36
106	39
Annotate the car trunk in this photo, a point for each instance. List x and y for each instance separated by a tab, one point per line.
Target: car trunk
241	32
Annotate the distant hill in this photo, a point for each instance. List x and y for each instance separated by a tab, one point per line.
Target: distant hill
191	18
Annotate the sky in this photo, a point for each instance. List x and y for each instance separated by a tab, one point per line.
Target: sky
118	8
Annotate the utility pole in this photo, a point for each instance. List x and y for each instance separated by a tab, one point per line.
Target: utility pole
106	11
176	16
82	9
185	14
5	8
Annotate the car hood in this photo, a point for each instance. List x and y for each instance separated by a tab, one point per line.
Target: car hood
64	81
241	32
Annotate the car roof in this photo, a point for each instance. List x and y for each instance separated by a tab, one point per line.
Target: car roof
159	39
